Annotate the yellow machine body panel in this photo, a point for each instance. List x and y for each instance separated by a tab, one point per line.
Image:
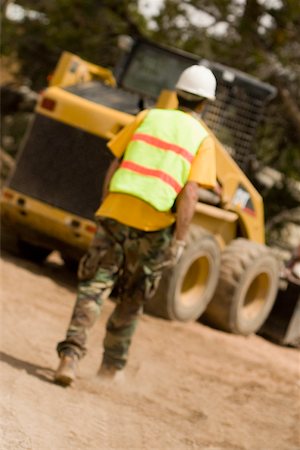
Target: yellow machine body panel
240	196
71	69
38	222
221	223
81	113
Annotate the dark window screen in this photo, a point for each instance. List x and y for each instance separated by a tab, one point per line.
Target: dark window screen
62	166
152	69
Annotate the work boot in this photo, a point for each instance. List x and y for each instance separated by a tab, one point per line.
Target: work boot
108	372
66	372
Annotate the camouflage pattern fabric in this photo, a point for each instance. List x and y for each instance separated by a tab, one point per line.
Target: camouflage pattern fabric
132	262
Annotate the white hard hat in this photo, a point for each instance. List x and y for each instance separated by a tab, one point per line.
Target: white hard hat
198	80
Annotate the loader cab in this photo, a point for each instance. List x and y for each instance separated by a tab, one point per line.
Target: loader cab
143	71
147	68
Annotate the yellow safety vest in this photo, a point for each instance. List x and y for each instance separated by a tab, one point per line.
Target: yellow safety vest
157	161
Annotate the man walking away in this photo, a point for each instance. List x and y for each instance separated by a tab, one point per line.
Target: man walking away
150	193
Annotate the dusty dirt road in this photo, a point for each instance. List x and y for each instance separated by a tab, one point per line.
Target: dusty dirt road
187	386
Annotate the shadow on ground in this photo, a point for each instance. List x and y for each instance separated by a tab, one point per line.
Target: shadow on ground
53	267
42	373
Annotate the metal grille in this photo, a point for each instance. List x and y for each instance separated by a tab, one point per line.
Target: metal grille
62	166
234	117
237	111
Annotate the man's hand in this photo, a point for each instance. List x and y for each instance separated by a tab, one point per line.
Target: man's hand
176	250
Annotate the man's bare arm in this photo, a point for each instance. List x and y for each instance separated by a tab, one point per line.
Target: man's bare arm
185	208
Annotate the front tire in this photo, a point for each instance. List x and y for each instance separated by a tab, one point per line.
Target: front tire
185	290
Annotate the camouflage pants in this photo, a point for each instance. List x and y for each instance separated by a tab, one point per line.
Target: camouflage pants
132	262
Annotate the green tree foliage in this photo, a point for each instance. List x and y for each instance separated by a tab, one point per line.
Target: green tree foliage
88	28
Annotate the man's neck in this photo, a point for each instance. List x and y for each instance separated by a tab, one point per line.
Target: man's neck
191	112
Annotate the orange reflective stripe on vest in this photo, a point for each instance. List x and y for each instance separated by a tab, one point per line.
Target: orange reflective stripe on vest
163	145
158	159
153	173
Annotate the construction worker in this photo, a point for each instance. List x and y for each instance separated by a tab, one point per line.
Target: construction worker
149	198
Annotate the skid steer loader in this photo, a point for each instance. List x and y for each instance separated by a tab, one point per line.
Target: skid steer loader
227	274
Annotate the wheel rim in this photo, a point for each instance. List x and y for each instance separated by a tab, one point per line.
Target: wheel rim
194	281
256	296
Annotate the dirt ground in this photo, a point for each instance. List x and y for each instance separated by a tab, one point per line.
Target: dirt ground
187	386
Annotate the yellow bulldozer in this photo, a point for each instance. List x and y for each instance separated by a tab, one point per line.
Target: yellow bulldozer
227	275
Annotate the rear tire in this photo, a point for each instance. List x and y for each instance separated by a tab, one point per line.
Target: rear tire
247	288
185	290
